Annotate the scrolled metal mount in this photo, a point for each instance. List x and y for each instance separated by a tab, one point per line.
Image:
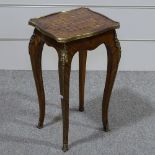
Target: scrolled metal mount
117	42
63	55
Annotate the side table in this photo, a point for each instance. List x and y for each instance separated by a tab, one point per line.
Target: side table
77	30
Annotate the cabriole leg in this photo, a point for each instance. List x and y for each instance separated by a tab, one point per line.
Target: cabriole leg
113	56
35	51
64	79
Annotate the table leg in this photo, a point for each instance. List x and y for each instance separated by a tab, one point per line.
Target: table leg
64	80
113	55
82	73
35	51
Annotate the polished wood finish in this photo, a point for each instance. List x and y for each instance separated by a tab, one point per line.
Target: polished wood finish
64	76
113	55
35	51
66	52
82	73
74	24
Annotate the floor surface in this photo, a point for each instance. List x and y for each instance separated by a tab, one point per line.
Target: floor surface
131	115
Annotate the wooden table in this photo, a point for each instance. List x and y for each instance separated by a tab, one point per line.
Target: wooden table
77	30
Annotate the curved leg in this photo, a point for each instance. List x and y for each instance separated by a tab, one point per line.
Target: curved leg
113	54
35	51
82	73
64	77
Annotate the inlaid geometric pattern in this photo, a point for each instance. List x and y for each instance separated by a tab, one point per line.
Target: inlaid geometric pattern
74	24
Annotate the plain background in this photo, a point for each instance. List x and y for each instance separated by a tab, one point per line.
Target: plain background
137	33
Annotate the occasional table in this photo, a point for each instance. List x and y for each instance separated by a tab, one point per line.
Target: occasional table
77	30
